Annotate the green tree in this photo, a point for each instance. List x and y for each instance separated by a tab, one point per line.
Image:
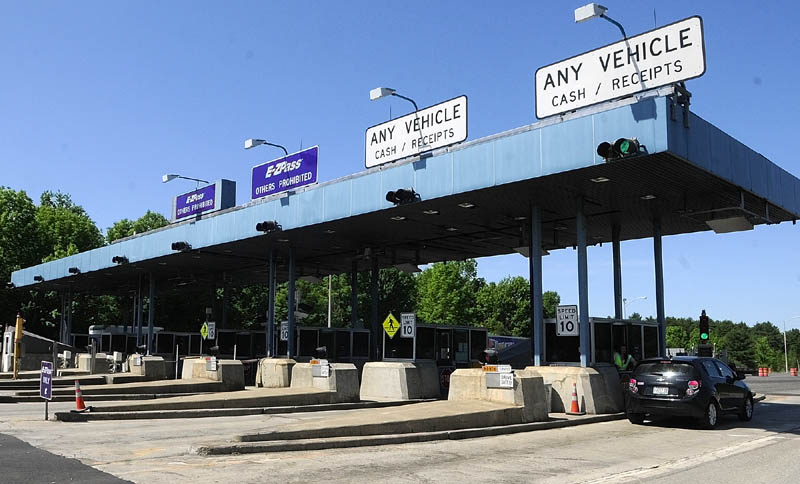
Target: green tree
676	337
550	301
65	228
447	293
740	345
126	228
771	333
763	352
504	306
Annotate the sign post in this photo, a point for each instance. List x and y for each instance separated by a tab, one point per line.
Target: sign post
663	56
408	329
46	385
433	127
567	320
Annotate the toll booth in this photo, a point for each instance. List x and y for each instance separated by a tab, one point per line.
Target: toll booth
606	336
450	347
344	345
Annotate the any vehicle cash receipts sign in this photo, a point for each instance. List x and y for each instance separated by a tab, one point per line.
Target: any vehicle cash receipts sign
292	171
433	127
657	58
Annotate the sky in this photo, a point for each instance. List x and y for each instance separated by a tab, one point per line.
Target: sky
99	99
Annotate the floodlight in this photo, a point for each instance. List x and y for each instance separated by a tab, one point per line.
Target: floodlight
182	246
251	143
168	177
588	12
380	92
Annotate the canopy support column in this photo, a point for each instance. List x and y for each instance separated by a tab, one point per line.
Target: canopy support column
292	303
354	295
535	268
659	272
583	286
270	330
151	313
376	346
615	249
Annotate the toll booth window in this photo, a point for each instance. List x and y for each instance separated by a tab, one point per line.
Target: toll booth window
650	341
225	341
361	344
242	344
194	344
477	343
561	348
105	343
342	343
81	341
603	350
398	347
425	343
461	344
164	344
308	342
328	339
259	343
635	341
130	344
182	340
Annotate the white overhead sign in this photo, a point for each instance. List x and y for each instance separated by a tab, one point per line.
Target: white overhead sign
662	56
427	129
567	320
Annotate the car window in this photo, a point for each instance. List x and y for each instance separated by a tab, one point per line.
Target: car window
662	367
711	368
726	372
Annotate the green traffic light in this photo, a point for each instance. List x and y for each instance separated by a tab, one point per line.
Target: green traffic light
703	335
625	147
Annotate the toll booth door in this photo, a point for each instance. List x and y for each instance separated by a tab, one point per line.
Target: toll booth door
443	348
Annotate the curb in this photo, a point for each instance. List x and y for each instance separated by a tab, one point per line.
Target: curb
224	412
375	440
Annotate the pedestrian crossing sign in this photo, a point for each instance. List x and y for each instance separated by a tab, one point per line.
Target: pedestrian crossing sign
391	325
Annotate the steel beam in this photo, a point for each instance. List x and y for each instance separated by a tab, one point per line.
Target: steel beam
292	339
659	272
354	295
270	332
615	249
537	303
151	313
373	283
583	286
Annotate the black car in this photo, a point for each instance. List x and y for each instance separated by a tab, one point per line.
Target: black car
687	386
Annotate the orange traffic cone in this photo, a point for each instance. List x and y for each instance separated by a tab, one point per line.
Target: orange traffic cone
575	409
79	397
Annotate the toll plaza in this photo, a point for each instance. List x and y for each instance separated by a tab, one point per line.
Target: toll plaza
618	165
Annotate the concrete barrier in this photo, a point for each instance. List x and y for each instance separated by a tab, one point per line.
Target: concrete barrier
529	392
383	380
274	372
229	372
343	380
84	362
152	367
599	390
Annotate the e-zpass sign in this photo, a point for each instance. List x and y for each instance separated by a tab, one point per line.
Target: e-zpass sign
287	173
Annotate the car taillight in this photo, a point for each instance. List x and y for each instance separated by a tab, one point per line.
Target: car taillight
694	385
632	386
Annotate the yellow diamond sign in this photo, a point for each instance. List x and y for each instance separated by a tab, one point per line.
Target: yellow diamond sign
204	331
391	325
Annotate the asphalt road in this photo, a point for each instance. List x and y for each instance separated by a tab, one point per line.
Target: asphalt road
767	450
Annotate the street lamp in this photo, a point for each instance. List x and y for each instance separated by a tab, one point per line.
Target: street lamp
626	301
785	350
253	142
381	92
592	10
172	176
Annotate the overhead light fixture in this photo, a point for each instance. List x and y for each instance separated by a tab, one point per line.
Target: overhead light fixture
119	259
162	263
559	227
597	237
524	251
728	225
520	218
38	278
314	279
408	267
430	212
330	231
253	142
397	218
172	176
599	179
283	240
593	10
451	229
182	246
74	270
402	196
10	285
647	197
466	205
382	92
268	226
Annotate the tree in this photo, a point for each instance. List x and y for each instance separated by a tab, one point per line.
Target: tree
763	352
550	301
676	337
771	333
20	246
740	345
126	228
447	293
65	228
505	308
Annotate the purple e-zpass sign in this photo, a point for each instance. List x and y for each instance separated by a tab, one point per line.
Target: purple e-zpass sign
293	171
198	201
46	381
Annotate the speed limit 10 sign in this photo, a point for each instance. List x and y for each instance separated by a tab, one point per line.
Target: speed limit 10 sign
567	320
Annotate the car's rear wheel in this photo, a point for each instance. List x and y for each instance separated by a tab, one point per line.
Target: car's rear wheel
636	418
709	420
746	413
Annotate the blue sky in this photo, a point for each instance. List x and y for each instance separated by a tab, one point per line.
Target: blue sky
99	99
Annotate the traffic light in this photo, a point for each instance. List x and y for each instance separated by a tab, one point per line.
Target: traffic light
402	196
704	329
621	148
